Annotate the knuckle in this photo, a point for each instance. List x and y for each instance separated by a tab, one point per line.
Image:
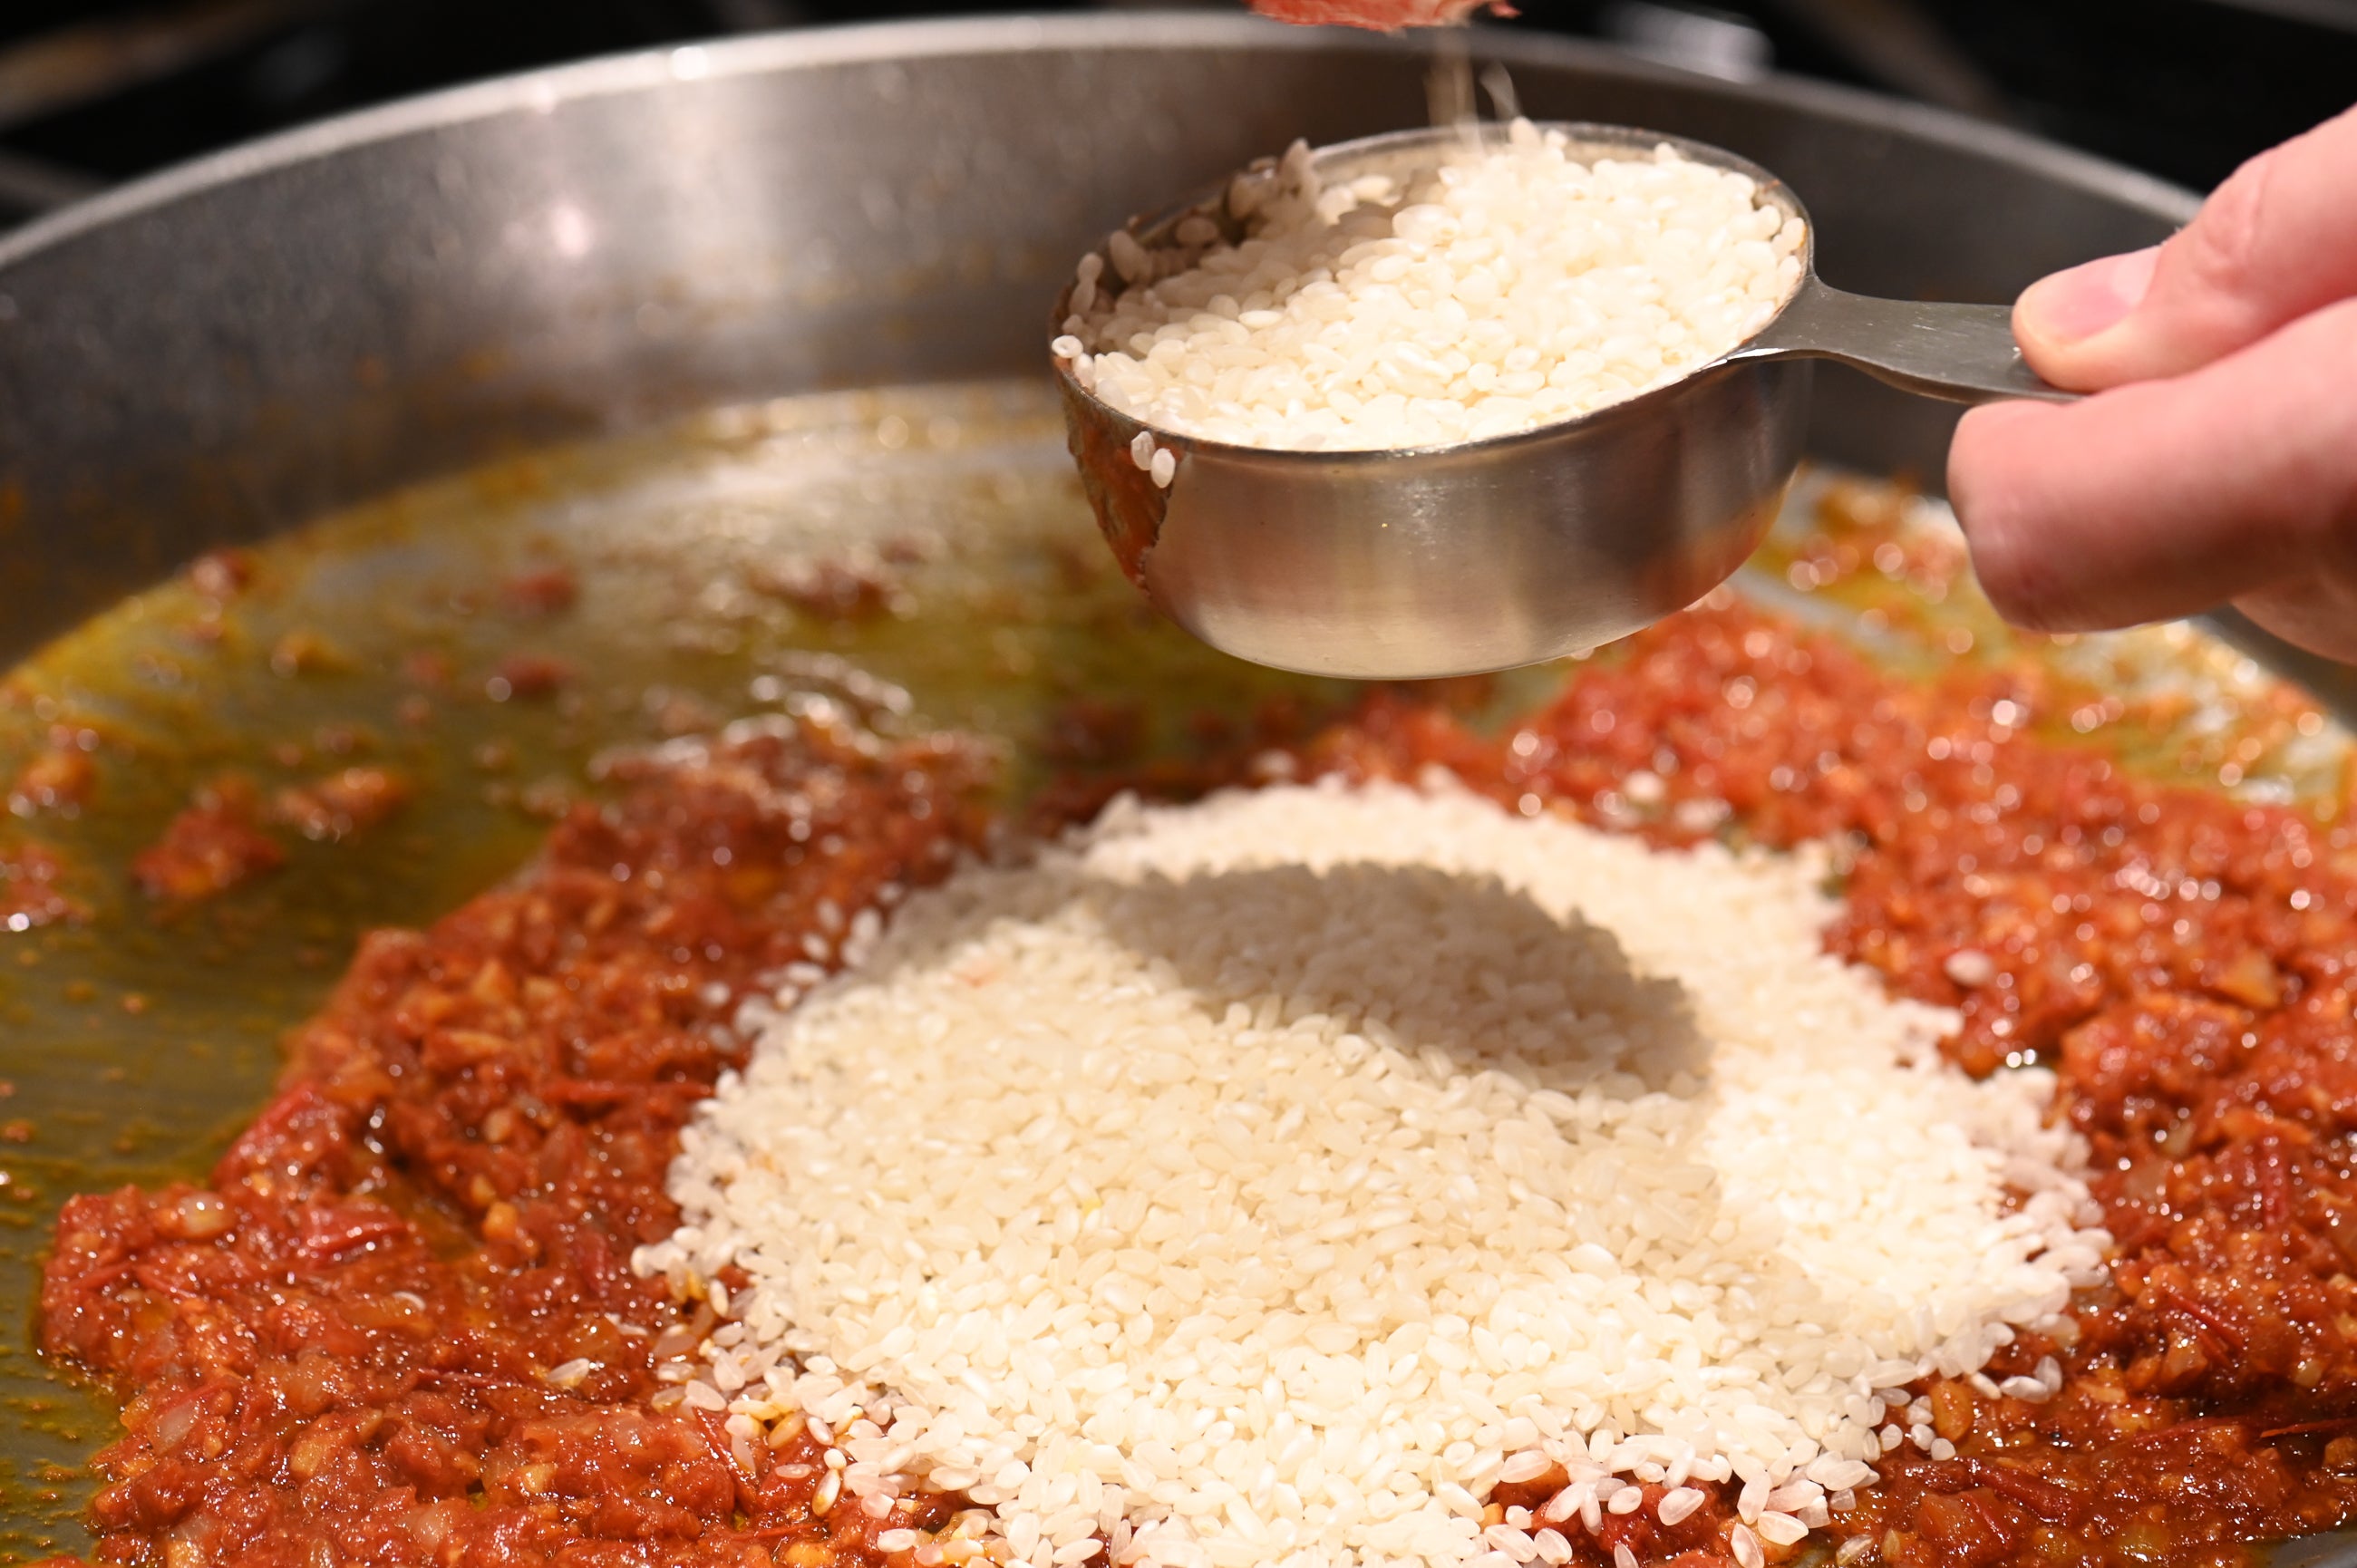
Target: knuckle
2015	585
1988	492
2326	344
2338	321
2223	251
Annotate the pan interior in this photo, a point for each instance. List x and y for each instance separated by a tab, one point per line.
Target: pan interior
922	557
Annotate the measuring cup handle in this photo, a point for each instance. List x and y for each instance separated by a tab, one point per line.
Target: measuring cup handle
1962	353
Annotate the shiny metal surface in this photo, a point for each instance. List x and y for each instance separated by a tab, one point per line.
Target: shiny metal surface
1495	553
229	349
1447	561
225	350
1956	353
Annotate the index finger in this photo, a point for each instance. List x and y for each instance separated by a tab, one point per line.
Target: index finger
2168	496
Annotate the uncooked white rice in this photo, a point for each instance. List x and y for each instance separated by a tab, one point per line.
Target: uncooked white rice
1512	286
1262	1182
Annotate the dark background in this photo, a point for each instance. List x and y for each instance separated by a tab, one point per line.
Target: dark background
92	93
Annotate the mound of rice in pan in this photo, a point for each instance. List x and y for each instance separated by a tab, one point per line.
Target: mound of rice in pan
1268	1181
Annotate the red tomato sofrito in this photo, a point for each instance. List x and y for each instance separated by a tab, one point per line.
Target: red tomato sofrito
399	1327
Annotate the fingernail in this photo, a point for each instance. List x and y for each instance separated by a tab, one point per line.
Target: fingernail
2073	305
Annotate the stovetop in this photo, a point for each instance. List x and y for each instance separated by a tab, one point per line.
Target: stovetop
92	93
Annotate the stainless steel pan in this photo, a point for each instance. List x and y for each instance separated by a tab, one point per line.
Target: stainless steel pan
225	351
218	352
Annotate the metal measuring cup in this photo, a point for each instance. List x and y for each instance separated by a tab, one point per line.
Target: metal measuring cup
1494	553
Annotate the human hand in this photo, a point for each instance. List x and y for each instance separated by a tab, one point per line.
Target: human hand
2219	460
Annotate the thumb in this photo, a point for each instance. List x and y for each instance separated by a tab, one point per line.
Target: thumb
2277	240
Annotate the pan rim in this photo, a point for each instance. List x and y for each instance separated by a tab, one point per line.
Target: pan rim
898	42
